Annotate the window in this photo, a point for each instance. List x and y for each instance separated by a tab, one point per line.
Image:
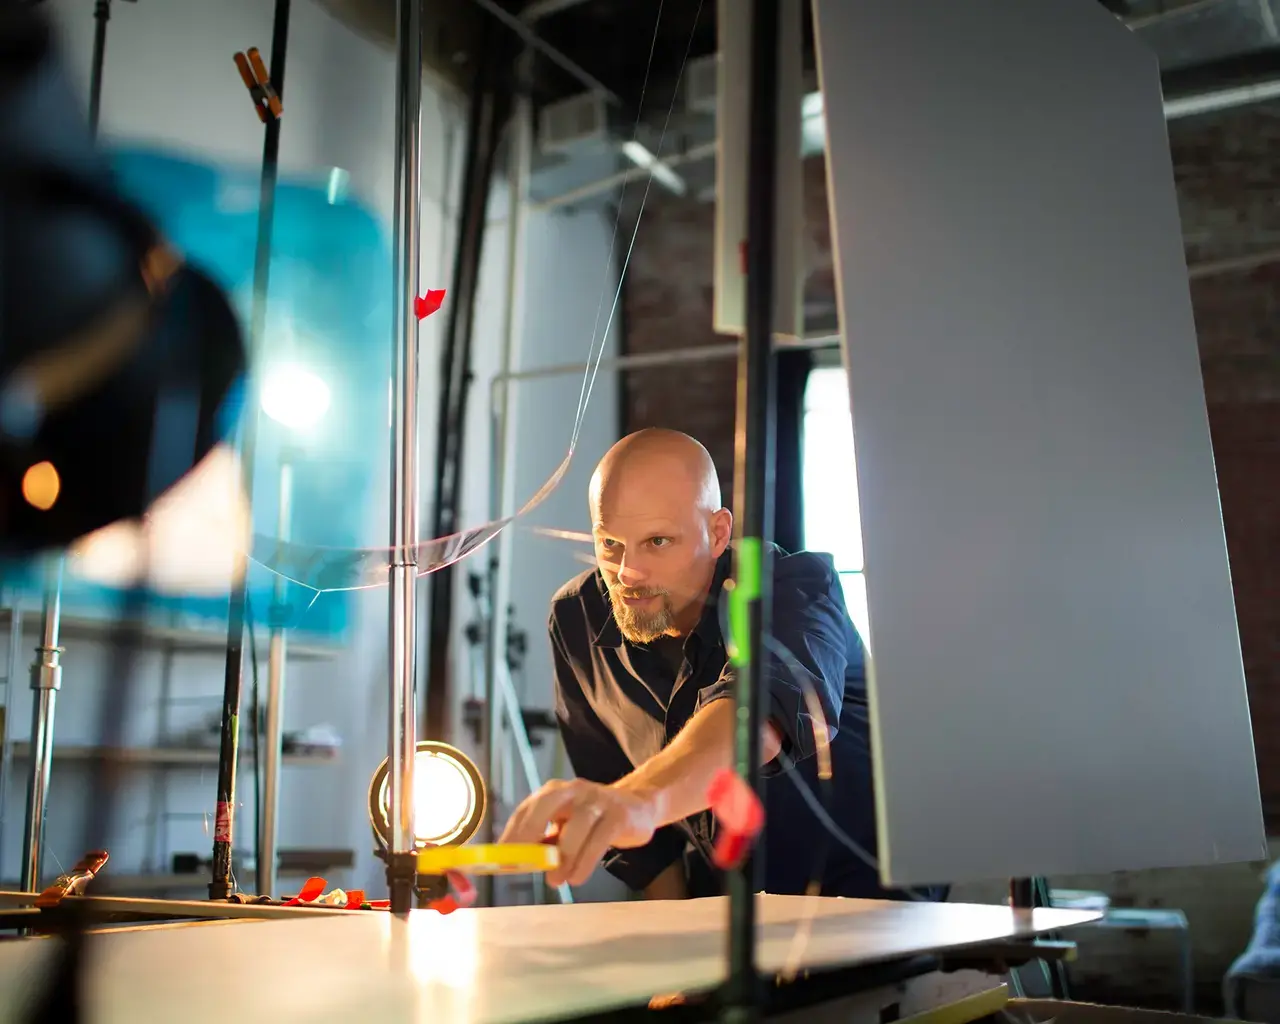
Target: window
831	518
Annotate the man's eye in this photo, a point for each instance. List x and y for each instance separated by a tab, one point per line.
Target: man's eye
660	542
606	543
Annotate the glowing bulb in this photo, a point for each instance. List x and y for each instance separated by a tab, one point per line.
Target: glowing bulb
443	798
40	486
448	797
295	397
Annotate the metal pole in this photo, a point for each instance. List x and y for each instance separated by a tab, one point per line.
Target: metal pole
101	15
502	432
648	360
277	657
404	442
46	681
233	678
11	674
753	483
46	673
705	151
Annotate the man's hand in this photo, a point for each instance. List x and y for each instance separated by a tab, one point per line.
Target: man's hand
587	819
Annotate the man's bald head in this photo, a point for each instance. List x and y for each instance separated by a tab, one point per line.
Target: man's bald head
659	528
666	459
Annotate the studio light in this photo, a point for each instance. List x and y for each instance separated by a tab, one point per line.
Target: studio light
294	397
448	797
121	362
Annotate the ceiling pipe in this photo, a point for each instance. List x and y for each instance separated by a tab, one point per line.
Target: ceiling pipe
539	9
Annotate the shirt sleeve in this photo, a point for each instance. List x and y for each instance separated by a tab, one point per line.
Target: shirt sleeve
596	756
807	661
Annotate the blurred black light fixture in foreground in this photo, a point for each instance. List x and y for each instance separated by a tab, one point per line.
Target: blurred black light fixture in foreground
119	363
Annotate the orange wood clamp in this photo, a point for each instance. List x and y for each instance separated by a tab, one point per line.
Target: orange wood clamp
266	101
75	881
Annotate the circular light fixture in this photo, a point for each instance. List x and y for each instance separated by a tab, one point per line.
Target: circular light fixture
448	797
294	397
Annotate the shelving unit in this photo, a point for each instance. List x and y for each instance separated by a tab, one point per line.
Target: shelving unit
153	764
159	755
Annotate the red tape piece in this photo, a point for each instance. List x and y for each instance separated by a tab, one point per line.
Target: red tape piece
425	305
462	893
464	889
311	890
740	815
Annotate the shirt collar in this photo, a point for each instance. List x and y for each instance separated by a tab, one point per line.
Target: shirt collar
708	626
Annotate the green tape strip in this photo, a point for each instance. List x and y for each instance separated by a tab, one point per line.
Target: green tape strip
746	588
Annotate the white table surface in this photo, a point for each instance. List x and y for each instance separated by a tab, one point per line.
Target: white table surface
487	966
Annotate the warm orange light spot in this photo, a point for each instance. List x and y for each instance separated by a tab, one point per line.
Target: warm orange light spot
40	486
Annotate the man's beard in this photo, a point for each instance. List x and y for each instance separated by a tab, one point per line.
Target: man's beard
639	625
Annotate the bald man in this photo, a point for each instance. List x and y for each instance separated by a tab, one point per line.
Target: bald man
644	694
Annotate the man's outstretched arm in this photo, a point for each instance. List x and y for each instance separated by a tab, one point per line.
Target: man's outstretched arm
590	818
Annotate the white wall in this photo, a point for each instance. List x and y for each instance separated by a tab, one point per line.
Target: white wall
170	81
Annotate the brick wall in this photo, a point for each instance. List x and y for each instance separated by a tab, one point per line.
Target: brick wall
1228	170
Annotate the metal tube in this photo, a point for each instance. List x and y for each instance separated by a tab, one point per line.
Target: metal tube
404	442
648	360
1233	264
11	673
753	483
46	673
277	656
46	681
101	15
233	676
539	9
502	426
1227	98
705	151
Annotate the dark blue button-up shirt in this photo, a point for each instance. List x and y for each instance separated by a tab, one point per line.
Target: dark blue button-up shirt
619	703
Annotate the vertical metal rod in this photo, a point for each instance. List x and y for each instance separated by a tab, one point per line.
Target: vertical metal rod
404	464
46	681
753	484
277	658
46	678
502	436
233	678
101	15
13	660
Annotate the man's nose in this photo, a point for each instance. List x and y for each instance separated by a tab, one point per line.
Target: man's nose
631	571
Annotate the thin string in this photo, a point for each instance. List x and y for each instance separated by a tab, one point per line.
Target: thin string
584	391
648	185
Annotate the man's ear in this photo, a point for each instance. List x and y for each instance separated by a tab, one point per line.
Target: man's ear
721	530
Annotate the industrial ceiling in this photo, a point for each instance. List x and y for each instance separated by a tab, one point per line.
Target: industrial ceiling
1212	53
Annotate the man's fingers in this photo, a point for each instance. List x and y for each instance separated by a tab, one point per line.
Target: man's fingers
529	822
595	845
584	815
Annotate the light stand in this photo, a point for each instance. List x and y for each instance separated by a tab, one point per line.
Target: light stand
277	655
402	868
220	886
46	681
46	673
751	596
